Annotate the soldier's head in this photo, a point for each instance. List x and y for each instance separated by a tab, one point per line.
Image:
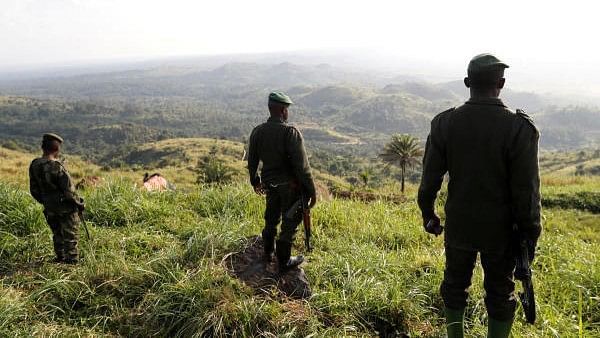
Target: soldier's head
51	143
485	75
279	104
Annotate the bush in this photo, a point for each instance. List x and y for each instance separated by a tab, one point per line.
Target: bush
213	170
582	200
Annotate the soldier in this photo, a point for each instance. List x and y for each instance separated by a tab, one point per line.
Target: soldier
285	177
51	185
491	156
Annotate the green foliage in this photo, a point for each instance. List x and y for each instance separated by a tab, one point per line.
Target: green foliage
365	176
403	151
583	200
12	311
211	170
121	203
154	268
20	215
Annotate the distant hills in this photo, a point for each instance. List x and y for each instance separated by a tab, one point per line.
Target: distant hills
115	109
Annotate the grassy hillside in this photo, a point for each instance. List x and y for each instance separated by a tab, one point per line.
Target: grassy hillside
178	160
153	266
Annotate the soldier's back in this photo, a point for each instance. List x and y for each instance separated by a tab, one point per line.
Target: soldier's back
269	140
477	137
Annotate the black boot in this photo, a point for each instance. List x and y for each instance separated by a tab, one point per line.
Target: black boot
268	246
287	262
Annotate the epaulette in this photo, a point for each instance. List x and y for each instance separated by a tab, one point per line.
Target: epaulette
438	116
293	128
58	165
521	114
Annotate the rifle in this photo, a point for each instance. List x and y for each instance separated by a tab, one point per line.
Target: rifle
300	205
523	274
80	208
306	222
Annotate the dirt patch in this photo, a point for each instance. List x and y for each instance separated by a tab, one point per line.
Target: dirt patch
249	266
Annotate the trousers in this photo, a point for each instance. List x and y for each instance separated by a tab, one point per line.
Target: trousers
65	233
279	200
498	281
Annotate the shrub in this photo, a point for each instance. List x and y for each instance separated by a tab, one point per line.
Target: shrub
582	200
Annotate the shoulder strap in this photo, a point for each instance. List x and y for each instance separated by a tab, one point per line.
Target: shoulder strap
521	113
448	110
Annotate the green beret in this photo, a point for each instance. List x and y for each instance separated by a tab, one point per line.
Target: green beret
280	97
485	62
52	136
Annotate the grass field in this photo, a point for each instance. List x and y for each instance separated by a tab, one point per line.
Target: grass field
153	266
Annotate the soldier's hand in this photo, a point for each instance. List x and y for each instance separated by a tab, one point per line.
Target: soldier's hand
81	204
313	201
259	189
433	225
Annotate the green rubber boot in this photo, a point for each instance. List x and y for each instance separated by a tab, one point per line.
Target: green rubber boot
499	329
454	322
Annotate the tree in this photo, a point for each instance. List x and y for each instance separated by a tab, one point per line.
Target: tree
403	151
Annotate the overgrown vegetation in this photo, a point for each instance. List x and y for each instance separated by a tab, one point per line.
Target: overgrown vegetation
582	200
153	268
211	169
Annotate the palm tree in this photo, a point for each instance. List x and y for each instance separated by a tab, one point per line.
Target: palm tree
403	151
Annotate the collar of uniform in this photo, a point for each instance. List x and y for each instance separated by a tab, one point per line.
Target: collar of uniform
492	101
276	119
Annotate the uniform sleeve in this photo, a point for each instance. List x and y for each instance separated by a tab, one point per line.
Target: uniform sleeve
65	183
525	179
299	160
34	187
434	169
253	159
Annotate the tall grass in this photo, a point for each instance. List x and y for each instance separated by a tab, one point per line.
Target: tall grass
20	215
152	268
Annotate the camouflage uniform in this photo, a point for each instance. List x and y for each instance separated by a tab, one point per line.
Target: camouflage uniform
51	185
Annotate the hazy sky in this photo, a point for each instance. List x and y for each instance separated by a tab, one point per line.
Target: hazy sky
532	36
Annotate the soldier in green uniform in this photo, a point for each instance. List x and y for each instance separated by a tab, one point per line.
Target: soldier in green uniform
51	185
285	177
491	156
